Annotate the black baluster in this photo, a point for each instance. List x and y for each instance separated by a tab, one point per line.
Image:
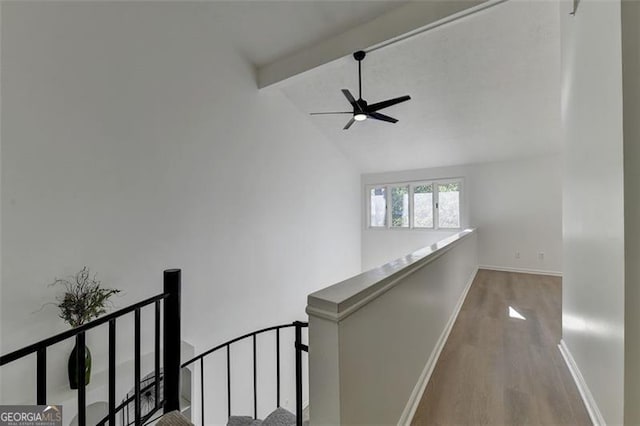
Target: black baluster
255	381
112	373
298	374
136	374
229	380
157	355
81	374
278	365
41	374
202	390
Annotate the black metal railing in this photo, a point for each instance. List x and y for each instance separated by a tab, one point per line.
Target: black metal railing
123	407
298	346
171	354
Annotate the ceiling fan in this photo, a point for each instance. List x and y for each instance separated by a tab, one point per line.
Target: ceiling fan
361	109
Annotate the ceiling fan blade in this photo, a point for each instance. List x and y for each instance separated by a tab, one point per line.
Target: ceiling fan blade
336	112
382	117
351	99
349	123
387	103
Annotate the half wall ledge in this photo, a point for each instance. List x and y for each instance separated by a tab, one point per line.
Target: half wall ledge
340	300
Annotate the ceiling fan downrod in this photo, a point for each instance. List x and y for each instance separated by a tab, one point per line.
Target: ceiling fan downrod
359	56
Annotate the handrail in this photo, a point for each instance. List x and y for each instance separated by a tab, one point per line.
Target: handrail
236	339
49	341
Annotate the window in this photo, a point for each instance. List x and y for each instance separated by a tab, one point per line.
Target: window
378	207
416	205
449	205
400	206
423	206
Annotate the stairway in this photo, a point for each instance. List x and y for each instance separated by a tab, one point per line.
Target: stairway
174	418
279	417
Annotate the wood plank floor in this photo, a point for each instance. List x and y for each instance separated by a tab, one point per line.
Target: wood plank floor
500	369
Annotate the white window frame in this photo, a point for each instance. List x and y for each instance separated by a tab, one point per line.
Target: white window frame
368	190
389	204
436	214
412	188
412	185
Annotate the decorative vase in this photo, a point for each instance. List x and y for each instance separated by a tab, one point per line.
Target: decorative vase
73	367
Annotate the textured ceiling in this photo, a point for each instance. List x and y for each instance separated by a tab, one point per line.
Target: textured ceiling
484	88
265	31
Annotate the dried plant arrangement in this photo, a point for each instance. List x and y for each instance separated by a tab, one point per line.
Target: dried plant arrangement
84	299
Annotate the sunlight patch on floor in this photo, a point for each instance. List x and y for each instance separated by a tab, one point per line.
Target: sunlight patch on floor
515	314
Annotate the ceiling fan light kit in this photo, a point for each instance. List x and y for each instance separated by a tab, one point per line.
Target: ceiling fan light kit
361	109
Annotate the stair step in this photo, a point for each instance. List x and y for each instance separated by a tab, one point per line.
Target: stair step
174	418
279	417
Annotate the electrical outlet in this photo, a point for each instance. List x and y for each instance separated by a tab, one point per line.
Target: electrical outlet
541	256
517	255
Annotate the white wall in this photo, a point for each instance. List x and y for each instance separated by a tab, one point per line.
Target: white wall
516	206
593	205
134	139
631	94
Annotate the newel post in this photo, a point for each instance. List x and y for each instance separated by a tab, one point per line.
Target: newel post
171	339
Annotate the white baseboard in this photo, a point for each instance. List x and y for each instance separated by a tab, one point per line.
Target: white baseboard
521	270
585	393
416	395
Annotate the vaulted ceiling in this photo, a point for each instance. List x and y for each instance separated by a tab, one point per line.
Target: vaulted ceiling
267	30
484	88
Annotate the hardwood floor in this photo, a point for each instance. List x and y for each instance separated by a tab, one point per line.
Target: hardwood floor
497	368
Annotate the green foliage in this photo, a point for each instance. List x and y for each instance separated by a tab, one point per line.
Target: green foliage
398	195
423	189
449	187
83	299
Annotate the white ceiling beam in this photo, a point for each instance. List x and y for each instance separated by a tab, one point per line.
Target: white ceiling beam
400	23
